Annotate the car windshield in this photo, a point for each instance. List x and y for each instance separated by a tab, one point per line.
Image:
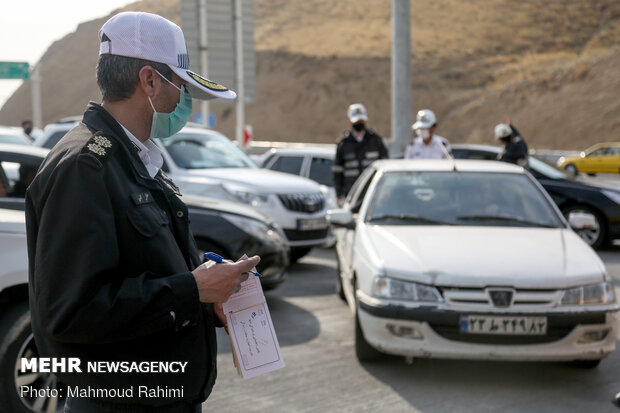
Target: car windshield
205	150
547	170
460	198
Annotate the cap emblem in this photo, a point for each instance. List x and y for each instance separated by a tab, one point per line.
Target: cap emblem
206	82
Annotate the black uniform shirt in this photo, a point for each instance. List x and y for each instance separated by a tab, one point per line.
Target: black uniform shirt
352	157
110	260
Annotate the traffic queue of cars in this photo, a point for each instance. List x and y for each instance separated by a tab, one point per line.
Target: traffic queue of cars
522	282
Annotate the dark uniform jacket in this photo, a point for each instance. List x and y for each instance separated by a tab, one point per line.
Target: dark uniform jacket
110	259
352	157
516	150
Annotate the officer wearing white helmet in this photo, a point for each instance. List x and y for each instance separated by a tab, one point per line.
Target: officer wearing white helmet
358	148
427	145
515	148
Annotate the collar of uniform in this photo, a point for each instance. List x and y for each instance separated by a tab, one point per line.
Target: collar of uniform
149	153
96	118
360	138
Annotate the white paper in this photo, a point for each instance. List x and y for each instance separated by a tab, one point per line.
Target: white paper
251	330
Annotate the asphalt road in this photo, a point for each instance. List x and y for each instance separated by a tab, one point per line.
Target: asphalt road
322	374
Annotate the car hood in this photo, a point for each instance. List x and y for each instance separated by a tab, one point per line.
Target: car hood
473	256
225	207
256	180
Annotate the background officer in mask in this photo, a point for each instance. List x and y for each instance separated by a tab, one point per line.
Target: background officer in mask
357	149
427	145
114	274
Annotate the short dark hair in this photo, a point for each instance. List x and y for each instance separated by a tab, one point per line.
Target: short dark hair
117	76
25	122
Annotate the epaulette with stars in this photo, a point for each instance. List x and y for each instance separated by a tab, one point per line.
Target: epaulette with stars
97	150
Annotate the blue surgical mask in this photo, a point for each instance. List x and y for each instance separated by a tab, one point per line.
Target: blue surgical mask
167	124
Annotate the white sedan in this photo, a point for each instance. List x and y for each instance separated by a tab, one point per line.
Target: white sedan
469	259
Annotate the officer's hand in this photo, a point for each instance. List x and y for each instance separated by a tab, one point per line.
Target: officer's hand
216	282
218	309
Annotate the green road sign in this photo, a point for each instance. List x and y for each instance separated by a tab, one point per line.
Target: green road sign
14	70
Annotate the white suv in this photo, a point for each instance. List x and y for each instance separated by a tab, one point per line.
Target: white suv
205	162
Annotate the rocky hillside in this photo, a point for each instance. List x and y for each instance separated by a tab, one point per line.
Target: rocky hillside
553	66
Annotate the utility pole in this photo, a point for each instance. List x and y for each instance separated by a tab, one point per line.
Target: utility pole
203	48
35	89
240	80
401	75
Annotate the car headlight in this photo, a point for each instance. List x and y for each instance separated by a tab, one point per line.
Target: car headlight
247	197
603	293
253	227
385	287
613	195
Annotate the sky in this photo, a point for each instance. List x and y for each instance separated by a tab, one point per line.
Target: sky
29	27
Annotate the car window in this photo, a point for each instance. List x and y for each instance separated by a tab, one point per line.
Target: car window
16	176
598	152
205	150
53	139
321	171
288	164
612	150
460	198
15	140
358	190
474	154
542	169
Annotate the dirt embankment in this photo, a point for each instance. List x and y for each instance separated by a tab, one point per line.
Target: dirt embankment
553	66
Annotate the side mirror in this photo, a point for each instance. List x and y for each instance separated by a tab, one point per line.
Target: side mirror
581	220
341	218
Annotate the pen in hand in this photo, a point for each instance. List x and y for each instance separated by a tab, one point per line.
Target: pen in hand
218	259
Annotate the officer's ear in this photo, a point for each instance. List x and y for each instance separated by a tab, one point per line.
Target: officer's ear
149	81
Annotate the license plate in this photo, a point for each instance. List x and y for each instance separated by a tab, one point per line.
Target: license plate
311	224
508	325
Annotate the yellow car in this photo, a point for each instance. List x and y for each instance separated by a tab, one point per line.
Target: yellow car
602	157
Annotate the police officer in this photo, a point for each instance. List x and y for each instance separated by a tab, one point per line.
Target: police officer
427	145
114	274
357	149
515	148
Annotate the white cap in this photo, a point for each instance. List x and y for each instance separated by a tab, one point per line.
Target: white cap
357	112
151	37
502	131
424	119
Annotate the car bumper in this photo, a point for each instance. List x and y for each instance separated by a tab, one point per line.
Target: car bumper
431	332
315	238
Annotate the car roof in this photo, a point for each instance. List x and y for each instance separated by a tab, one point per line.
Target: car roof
312	150
604	145
11	130
442	165
199	130
477	147
24	149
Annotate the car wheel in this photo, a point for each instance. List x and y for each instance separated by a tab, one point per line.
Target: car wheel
571	169
339	289
17	342
299	252
586	364
594	237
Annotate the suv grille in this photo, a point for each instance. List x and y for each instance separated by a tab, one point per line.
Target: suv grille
308	203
